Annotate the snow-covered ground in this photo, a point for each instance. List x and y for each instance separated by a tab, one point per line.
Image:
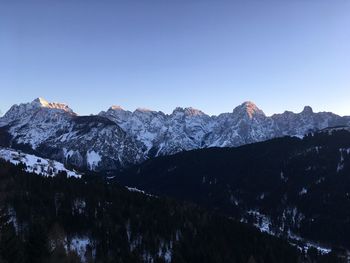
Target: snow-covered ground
134	189
294	239
35	164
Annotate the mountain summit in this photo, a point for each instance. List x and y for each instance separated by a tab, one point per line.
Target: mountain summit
307	110
41	102
249	109
38	108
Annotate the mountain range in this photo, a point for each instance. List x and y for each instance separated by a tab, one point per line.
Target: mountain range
117	138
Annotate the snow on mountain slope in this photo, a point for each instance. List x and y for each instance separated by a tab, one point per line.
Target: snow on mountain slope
116	138
246	124
289	123
188	128
35	164
145	125
24	111
34	122
163	134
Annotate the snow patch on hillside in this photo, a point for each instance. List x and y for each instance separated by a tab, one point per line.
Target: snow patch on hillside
263	222
306	245
35	164
303	191
93	159
79	245
134	189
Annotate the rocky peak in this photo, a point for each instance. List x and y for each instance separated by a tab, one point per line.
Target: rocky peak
143	110
193	112
25	110
307	110
116	108
42	103
189	111
248	109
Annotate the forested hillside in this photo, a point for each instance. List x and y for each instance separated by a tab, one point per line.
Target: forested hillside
60	219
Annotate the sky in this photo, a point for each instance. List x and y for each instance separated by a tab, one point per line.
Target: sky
160	54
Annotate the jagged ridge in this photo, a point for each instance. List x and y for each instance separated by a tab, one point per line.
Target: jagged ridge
116	138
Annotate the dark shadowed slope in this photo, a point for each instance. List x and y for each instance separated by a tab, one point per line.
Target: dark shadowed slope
288	186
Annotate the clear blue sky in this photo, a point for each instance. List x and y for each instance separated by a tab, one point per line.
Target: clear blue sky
210	55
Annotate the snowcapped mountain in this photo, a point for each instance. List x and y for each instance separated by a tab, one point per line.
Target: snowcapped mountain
53	130
35	164
32	123
183	129
289	123
246	124
116	138
188	128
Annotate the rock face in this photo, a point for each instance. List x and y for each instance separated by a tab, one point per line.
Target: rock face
117	138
